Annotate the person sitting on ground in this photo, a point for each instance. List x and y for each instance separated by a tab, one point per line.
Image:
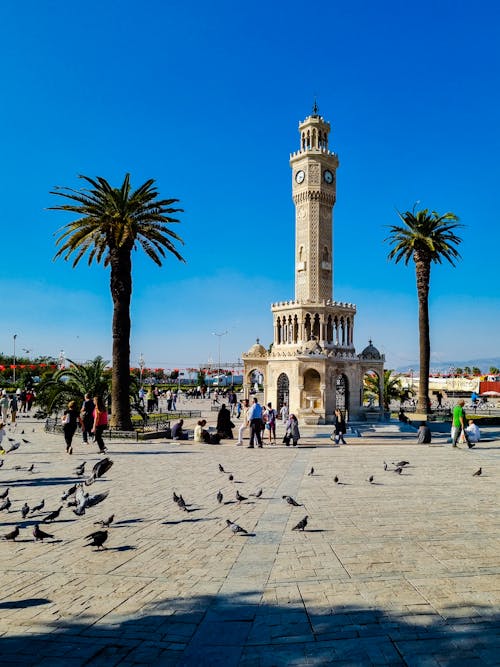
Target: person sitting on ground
201	434
178	433
473	431
424	434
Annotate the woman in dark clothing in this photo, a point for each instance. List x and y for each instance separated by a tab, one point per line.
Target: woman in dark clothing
224	423
339	428
87	416
70	420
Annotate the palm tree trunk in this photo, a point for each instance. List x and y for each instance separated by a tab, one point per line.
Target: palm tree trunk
121	292
423	273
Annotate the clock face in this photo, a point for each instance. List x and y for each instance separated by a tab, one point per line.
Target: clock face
299	176
328	176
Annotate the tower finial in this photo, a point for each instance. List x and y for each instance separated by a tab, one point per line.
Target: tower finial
315	107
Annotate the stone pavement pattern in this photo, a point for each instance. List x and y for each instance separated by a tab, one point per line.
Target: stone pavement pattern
404	571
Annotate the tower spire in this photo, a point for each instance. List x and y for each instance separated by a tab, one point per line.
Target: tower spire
315	108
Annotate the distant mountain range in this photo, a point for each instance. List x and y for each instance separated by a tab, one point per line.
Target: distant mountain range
444	366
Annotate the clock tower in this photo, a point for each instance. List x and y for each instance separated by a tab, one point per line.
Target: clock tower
312	365
314	169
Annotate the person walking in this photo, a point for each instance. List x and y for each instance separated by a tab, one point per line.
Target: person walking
271	415
13	408
255	421
100	423
459	424
284	413
245	424
87	418
4	406
339	428
70	421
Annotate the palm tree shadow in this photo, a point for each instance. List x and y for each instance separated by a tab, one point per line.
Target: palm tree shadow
236	629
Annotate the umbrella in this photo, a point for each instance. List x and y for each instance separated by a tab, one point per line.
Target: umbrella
491	393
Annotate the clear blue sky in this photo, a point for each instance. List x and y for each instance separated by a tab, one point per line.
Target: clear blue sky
206	99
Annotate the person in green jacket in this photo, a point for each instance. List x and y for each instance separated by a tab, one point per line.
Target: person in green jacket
459	424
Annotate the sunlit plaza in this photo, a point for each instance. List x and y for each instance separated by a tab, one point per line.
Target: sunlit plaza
402	570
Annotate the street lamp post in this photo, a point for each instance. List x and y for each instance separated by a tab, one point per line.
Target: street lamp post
219	336
14	337
141	368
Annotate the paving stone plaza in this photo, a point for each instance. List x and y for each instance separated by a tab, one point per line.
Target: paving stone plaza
402	571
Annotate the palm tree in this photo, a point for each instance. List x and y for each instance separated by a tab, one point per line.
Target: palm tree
111	223
73	383
391	387
425	237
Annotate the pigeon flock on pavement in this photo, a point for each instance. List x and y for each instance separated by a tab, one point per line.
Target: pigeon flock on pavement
79	499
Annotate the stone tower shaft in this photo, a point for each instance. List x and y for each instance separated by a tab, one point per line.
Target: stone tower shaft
314	169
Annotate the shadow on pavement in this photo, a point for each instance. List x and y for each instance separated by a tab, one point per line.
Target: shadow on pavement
241	630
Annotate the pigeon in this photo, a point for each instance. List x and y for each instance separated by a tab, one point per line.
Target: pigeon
175	497
89	481
13	447
301	525
5	505
401	464
385	466
10	439
311	472
221	469
239	497
478	473
235	528
257	494
69	492
38	533
38	507
4	494
370	479
12	535
181	503
399	470
31	468
97	498
25	510
98	538
101	467
219	496
291	501
336	479
84	500
231	478
52	515
80	470
105	523
24	439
